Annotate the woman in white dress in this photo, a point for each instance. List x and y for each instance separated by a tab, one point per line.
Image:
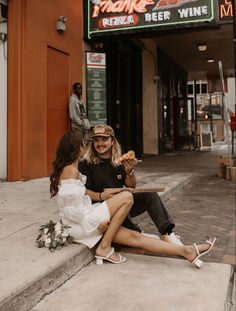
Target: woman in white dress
90	223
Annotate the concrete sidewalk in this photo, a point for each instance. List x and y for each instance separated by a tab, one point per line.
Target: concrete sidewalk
143	283
28	273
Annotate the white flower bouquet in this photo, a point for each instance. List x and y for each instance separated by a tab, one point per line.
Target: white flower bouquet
53	236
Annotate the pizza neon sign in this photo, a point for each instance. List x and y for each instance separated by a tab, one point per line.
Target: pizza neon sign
105	16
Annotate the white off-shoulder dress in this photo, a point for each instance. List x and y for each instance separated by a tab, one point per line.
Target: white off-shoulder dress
77	211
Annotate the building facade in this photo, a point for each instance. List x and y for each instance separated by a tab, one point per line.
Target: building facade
44	60
47	43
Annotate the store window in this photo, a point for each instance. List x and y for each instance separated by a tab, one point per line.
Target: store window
190	89
207	105
204	88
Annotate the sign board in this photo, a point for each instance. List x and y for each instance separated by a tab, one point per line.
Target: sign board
206	141
96	87
225	10
232	123
113	16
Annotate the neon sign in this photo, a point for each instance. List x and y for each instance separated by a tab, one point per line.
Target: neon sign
107	16
225	9
127	6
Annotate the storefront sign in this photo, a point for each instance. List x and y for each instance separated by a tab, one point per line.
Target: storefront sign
96	87
225	10
109	16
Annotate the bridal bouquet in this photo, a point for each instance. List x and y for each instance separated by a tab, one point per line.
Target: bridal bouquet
53	235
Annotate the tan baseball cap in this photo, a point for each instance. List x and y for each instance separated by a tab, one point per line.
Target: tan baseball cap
102	130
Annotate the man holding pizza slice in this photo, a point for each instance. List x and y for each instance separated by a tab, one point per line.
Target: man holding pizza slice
107	169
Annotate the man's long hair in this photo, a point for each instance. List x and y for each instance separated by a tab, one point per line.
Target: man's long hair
67	152
91	155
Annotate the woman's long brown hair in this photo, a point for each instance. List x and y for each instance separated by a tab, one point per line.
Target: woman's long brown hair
67	152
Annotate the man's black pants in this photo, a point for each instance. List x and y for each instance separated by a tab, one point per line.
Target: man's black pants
150	202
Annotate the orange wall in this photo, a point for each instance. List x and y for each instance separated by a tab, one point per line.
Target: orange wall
31	29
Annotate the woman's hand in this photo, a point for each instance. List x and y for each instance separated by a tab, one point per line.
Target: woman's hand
103	227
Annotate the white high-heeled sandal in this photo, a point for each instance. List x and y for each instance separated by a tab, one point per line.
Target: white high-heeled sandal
196	261
99	259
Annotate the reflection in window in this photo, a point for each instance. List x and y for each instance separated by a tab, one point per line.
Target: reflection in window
190	89
204	88
197	89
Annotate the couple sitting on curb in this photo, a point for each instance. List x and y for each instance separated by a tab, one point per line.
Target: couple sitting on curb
96	213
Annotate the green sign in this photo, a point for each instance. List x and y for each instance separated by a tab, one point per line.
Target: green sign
112	16
96	87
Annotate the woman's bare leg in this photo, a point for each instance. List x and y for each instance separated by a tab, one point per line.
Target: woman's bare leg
132	238
119	207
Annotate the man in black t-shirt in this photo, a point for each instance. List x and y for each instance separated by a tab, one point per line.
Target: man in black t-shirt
101	164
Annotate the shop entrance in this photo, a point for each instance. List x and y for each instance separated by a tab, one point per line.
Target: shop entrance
183	124
178	124
173	111
124	93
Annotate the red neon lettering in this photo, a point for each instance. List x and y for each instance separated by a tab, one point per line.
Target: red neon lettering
165	4
118	21
226	10
126	6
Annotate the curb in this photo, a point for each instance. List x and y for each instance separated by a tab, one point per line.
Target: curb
230	298
168	193
45	284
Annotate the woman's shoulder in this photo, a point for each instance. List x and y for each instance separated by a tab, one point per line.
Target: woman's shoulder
69	172
74	187
70	178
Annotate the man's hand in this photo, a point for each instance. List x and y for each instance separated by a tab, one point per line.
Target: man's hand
129	164
109	193
103	227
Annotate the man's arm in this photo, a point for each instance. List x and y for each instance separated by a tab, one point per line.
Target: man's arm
95	196
130	179
102	196
85	169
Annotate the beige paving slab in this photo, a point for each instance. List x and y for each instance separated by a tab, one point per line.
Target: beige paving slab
23	204
27	272
143	283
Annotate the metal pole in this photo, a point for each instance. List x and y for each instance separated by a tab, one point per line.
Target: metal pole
211	117
232	137
234	43
226	112
195	116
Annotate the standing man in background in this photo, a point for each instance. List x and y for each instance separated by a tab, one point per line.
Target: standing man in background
77	111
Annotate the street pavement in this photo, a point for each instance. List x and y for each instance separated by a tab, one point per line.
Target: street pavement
202	204
205	207
143	283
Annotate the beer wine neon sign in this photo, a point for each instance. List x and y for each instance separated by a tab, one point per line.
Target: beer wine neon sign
107	16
